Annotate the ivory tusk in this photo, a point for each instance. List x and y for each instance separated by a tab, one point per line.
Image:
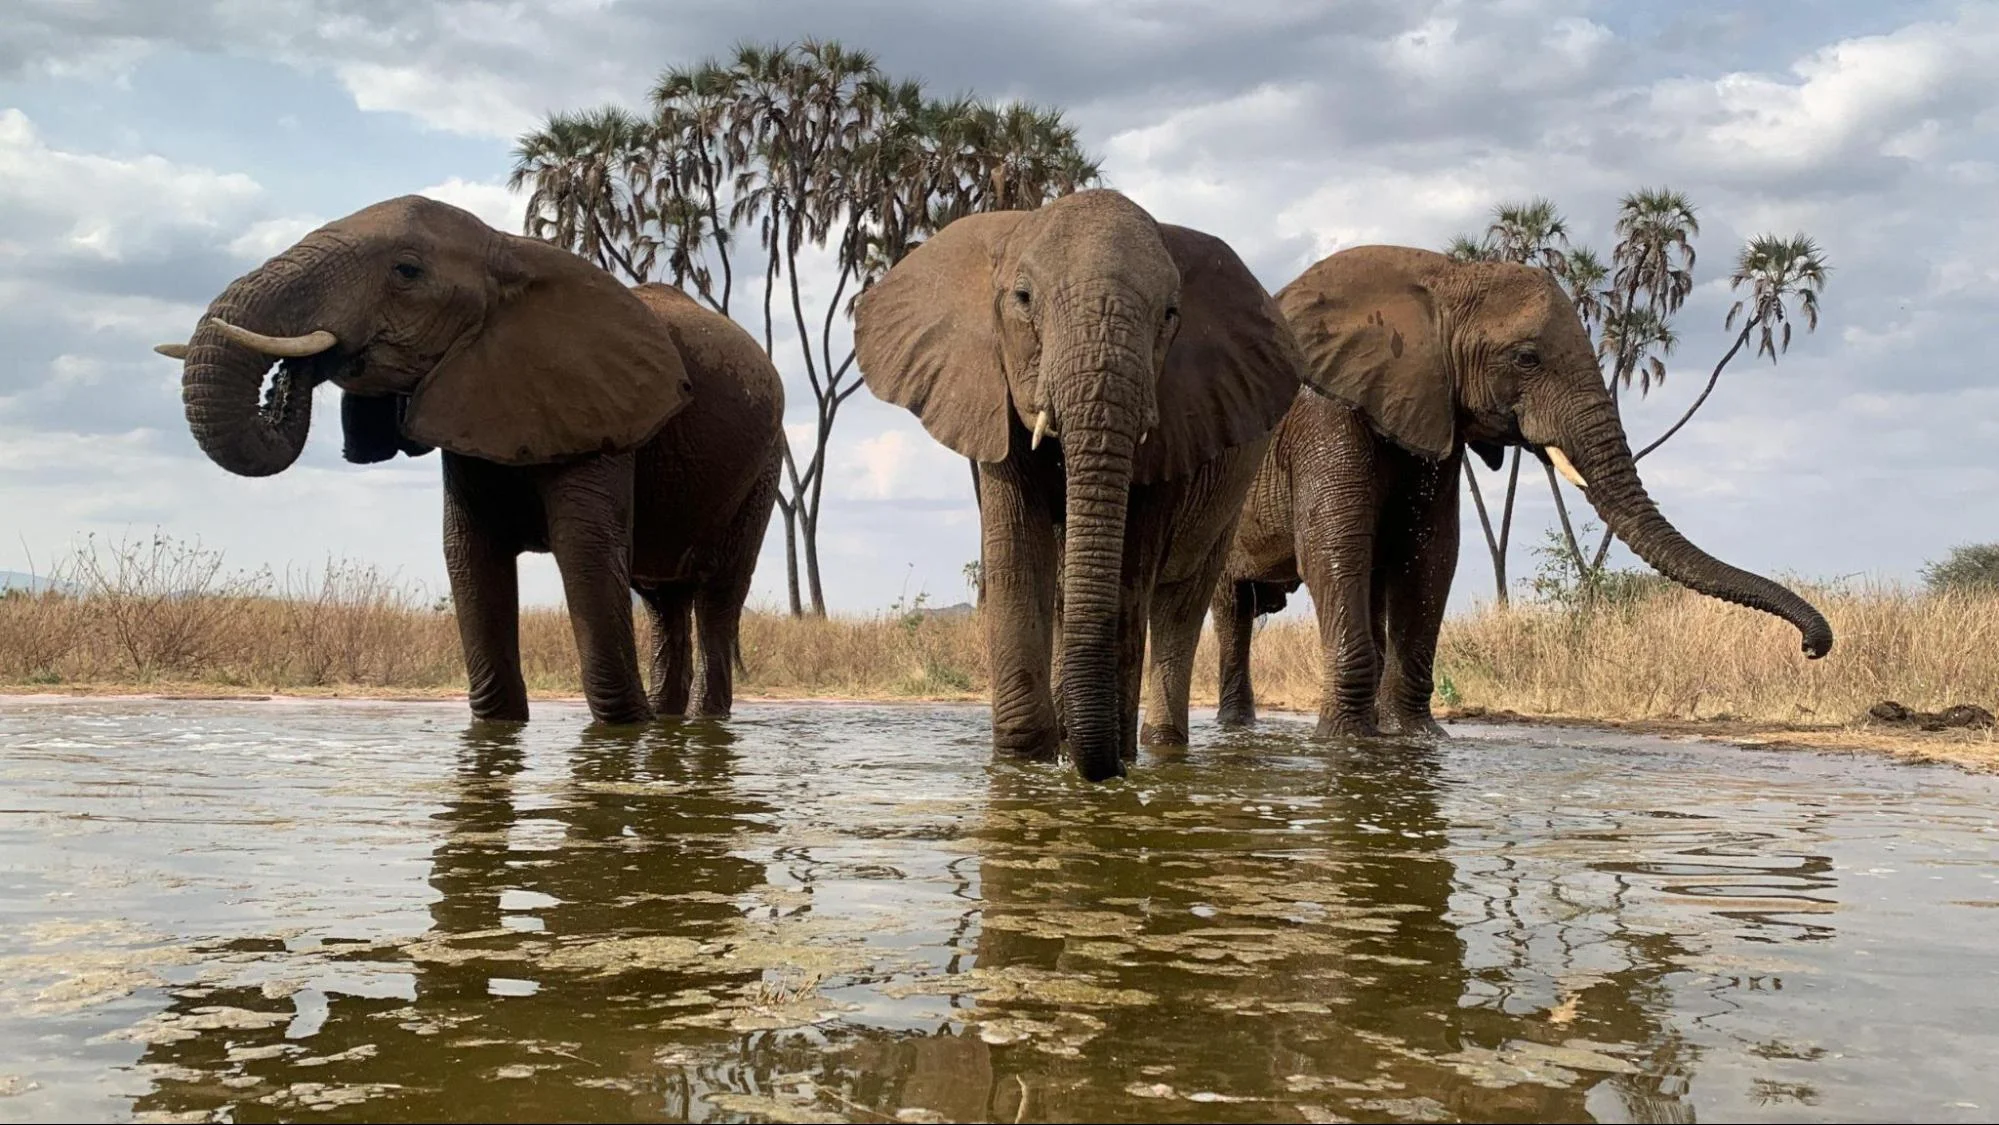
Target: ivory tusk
1041	429
1143	435
283	347
1564	466
171	351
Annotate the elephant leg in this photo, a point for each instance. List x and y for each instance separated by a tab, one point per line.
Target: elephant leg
1336	552
1018	545
1234	612
1177	610
485	598
718	612
672	646
1418	584
1131	667
718	607
588	505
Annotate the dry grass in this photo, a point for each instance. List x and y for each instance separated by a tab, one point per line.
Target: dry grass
161	615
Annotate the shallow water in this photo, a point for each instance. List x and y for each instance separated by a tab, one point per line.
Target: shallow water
308	911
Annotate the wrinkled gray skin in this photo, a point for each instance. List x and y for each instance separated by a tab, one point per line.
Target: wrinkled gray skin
1160	365
1358	496
629	432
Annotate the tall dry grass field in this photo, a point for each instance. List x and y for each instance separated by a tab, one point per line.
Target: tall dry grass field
163	614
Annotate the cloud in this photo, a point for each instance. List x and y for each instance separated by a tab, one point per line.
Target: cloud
501	207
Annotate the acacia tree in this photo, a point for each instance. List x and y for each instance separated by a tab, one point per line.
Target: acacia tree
811	149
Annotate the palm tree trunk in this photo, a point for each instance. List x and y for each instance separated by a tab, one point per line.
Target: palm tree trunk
791	555
1484	523
1569	533
1506	510
1713	378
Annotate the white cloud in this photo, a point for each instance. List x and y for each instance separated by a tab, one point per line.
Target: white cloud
104	208
266	238
501	207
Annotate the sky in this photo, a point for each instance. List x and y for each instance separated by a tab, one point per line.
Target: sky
152	150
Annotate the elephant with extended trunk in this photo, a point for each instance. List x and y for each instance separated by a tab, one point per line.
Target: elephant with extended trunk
1115	379
629	432
1358	496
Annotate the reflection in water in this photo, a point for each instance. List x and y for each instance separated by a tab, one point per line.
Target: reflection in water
852	914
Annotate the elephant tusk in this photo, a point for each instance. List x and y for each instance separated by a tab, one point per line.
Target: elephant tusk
1143	435
1041	429
283	347
171	351
1564	466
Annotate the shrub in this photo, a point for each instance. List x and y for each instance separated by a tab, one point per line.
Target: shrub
1969	568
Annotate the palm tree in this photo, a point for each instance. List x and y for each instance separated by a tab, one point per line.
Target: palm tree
691	120
1777	270
587	170
1583	275
1532	233
1654	263
1464	248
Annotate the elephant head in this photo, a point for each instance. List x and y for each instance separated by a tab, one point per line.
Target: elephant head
1141	349
1436	352
443	332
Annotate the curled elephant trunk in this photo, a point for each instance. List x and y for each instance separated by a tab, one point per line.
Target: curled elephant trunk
1599	455
247	433
1097	451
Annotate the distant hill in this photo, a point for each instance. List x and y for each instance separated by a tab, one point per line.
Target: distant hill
34	584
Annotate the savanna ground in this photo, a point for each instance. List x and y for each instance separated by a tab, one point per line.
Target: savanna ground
165	617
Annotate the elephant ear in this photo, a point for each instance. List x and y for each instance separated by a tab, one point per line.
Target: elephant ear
927	336
371	428
568	362
1232	369
1365	319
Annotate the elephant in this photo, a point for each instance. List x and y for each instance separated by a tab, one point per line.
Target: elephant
1419	355
628	431
1115	380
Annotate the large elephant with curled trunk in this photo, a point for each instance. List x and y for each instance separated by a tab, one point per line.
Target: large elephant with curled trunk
1115	379
1358	496
628	431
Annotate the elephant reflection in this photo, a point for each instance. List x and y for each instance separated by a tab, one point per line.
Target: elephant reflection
640	843
1316	955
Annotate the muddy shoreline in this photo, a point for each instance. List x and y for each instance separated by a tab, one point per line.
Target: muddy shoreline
1973	750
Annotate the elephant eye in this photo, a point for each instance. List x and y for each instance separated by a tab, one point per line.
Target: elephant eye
1527	358
1021	297
408	271
1172	313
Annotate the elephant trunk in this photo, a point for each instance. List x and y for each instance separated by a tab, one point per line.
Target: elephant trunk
222	378
1099	435
1601	456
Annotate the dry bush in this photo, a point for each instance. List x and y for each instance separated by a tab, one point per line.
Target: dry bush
1680	655
157	611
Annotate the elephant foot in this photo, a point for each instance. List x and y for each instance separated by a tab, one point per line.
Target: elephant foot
628	714
500	710
1341	724
1029	746
1150	735
1419	724
1235	716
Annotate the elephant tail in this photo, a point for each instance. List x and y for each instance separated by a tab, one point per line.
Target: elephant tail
736	656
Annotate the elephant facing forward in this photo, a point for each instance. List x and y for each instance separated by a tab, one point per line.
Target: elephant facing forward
1358	496
1115	378
627	431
